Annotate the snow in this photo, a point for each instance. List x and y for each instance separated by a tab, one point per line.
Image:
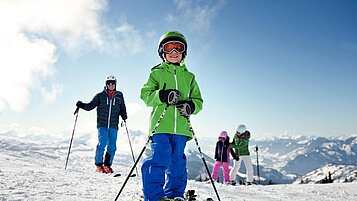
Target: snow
33	169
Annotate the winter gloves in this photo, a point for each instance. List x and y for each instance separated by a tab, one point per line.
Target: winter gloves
185	108
169	96
236	158
80	104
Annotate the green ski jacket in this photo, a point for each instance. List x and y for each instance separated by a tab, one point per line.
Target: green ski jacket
175	77
241	144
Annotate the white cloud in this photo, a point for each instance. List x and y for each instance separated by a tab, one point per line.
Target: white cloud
50	95
25	63
37	130
72	24
127	38
31	32
195	14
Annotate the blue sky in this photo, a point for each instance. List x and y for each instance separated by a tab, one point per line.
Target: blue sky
280	67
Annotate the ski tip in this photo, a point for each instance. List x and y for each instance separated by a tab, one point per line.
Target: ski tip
133	175
117	175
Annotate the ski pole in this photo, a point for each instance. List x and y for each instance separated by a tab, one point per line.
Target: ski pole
70	144
131	148
256	149
142	151
203	159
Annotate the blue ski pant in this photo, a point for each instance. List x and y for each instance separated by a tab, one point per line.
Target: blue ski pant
107	138
168	158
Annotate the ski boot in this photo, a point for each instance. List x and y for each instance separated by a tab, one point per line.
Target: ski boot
190	195
107	169
233	183
99	169
248	183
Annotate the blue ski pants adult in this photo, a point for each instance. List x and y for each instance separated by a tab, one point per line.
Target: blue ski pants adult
107	138
168	158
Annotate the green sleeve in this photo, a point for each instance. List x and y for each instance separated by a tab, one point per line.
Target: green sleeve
150	92
196	96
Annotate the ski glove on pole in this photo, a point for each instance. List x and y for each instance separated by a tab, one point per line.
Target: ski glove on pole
169	96
185	108
80	104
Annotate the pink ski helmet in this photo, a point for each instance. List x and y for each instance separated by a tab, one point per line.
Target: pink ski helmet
223	134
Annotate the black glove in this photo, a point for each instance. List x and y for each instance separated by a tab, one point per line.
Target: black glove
170	96
236	158
124	117
80	104
186	108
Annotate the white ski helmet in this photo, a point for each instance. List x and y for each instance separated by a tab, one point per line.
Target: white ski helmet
241	128
110	78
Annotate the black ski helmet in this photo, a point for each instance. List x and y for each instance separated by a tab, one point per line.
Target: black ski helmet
171	36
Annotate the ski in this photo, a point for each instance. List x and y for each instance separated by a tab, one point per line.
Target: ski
118	175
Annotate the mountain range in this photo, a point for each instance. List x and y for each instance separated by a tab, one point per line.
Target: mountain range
288	159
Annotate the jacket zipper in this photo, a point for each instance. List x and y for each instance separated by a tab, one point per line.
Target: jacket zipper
110	111
222	153
176	86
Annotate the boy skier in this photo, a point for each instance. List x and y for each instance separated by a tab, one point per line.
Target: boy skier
173	88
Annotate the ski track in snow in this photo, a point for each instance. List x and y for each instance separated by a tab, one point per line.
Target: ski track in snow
32	170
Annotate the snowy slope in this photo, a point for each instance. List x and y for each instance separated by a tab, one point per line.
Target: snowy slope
339	174
34	170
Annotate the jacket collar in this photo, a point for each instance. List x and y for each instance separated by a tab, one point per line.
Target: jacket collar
171	67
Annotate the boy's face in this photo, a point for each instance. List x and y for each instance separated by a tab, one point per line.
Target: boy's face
174	57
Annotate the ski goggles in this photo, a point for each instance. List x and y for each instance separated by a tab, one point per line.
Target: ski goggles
173	45
111	82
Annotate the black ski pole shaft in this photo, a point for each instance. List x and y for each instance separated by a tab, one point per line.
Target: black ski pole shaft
70	144
131	148
142	151
203	159
256	149
131	171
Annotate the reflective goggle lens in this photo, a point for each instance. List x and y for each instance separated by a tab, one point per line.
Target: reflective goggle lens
173	45
111	82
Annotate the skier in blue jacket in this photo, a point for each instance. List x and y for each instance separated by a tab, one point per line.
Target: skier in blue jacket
110	105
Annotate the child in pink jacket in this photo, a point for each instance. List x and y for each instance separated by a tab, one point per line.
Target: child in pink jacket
222	156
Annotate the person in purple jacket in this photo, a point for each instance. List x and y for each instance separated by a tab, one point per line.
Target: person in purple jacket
222	156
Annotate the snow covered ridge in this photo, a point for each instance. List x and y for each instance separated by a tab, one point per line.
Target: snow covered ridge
339	174
285	159
33	169
301	155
